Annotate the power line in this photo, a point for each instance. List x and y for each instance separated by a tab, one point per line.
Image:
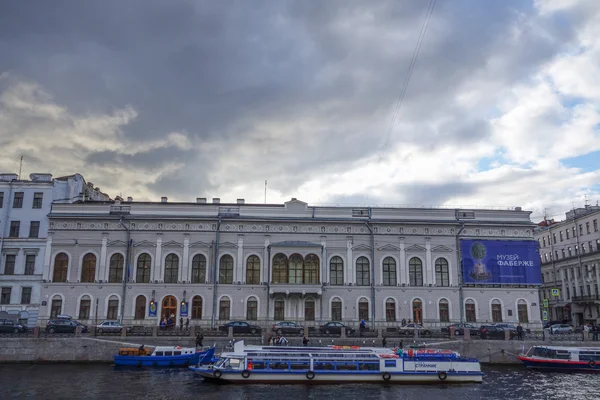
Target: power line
411	67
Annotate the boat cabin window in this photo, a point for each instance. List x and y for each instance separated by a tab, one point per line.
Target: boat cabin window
327	366
159	353
346	366
168	353
589	356
390	363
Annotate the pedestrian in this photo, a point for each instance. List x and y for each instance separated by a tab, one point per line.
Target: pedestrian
403	321
305	341
199	339
409	320
187	324
270	341
283	341
384	342
519	332
401	345
181	323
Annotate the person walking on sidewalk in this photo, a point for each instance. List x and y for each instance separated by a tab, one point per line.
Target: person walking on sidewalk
305	341
519	332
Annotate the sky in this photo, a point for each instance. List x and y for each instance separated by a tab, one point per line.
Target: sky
188	99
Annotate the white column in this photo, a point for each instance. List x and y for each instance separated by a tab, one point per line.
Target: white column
240	261
403	271
324	268
264	271
184	271
102	271
47	257
428	275
349	276
158	258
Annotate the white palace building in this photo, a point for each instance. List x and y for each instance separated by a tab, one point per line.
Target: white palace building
214	262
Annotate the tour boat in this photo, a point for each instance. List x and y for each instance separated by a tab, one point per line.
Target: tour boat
163	356
562	358
339	364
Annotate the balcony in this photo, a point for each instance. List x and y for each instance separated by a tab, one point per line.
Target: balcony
586	299
297	289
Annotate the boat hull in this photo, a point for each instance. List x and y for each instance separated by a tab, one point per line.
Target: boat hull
560	365
180	361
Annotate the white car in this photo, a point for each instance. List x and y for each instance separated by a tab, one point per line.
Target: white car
110	327
561	329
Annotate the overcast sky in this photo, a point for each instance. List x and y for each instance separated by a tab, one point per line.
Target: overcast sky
190	99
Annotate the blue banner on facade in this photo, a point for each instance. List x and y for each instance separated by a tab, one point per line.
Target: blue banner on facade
492	262
183	312
152	309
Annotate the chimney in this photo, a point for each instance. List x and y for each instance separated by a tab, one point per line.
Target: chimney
241	201
163	199
216	200
129	199
200	200
518	209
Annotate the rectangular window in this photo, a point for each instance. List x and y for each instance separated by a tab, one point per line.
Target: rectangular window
583	248
34	229
56	308
1	199
580	229
574	232
26	295
363	310
224	307
18	200
470	312
336	311
309	310
554	238
567	233
444	312
590	246
544	241
390	311
113	307
595	222
15	228
561	235
587	227
563	253
30	264
279	314
37	200
556	254
568	293
84	309
5	297
570	251
9	264
496	313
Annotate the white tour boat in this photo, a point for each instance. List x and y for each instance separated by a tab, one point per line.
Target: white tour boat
339	364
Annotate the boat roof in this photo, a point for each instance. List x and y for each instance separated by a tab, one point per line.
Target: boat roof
173	348
565	348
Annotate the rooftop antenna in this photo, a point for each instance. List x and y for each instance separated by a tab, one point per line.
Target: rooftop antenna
20	167
265	191
585	199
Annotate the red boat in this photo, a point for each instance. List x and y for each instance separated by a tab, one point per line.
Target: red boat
554	358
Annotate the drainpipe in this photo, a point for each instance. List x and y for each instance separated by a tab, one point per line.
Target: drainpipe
460	270
268	281
126	273
6	222
368	224
214	274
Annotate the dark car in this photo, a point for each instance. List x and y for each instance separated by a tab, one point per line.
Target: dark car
288	327
511	327
240	327
459	329
409	329
494	332
336	328
7	326
64	326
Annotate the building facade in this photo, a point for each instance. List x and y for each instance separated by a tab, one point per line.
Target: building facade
214	262
24	209
570	255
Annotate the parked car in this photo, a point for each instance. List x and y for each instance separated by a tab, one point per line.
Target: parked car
8	326
561	329
110	327
511	327
336	328
64	326
549	324
458	329
494	332
288	327
409	329
241	327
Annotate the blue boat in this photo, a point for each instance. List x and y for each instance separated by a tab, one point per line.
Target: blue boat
164	357
562	359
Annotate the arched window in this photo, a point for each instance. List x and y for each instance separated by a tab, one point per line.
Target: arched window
390	310
197	307
522	312
112	311
144	266
199	269
169	308
470	312
224	308
280	268
61	267
363	309
496	311
88	268
296	268
336	309
363	275
115	272
311	270
226	269
253	270
140	307
85	305
415	272
279	310
444	309
309	310
56	306
417	307
389	272
252	309
171	268
442	275
336	271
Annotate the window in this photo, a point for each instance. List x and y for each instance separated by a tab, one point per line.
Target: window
61	267
570	251
336	271
470	314
587	227
279	313
113	308
18	200
444	310
574	232
563	253
5	297
30	264
34	229
583	248
15	227
197	307
556	254
85	305
567	233
389	272
309	310
580	229
37	200
311	270
171	268
224	307
522	312
415	272
88	268
140	307
496	311
253	270
252	309
296	267
554	238
280	268
142	274
9	264
336	309
226	269
56	307
544	241
390	310
363	309
560	235
595	223
590	246
1	199
442	274
199	269
115	271
363	277
417	306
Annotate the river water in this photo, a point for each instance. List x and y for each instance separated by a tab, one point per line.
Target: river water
70	381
